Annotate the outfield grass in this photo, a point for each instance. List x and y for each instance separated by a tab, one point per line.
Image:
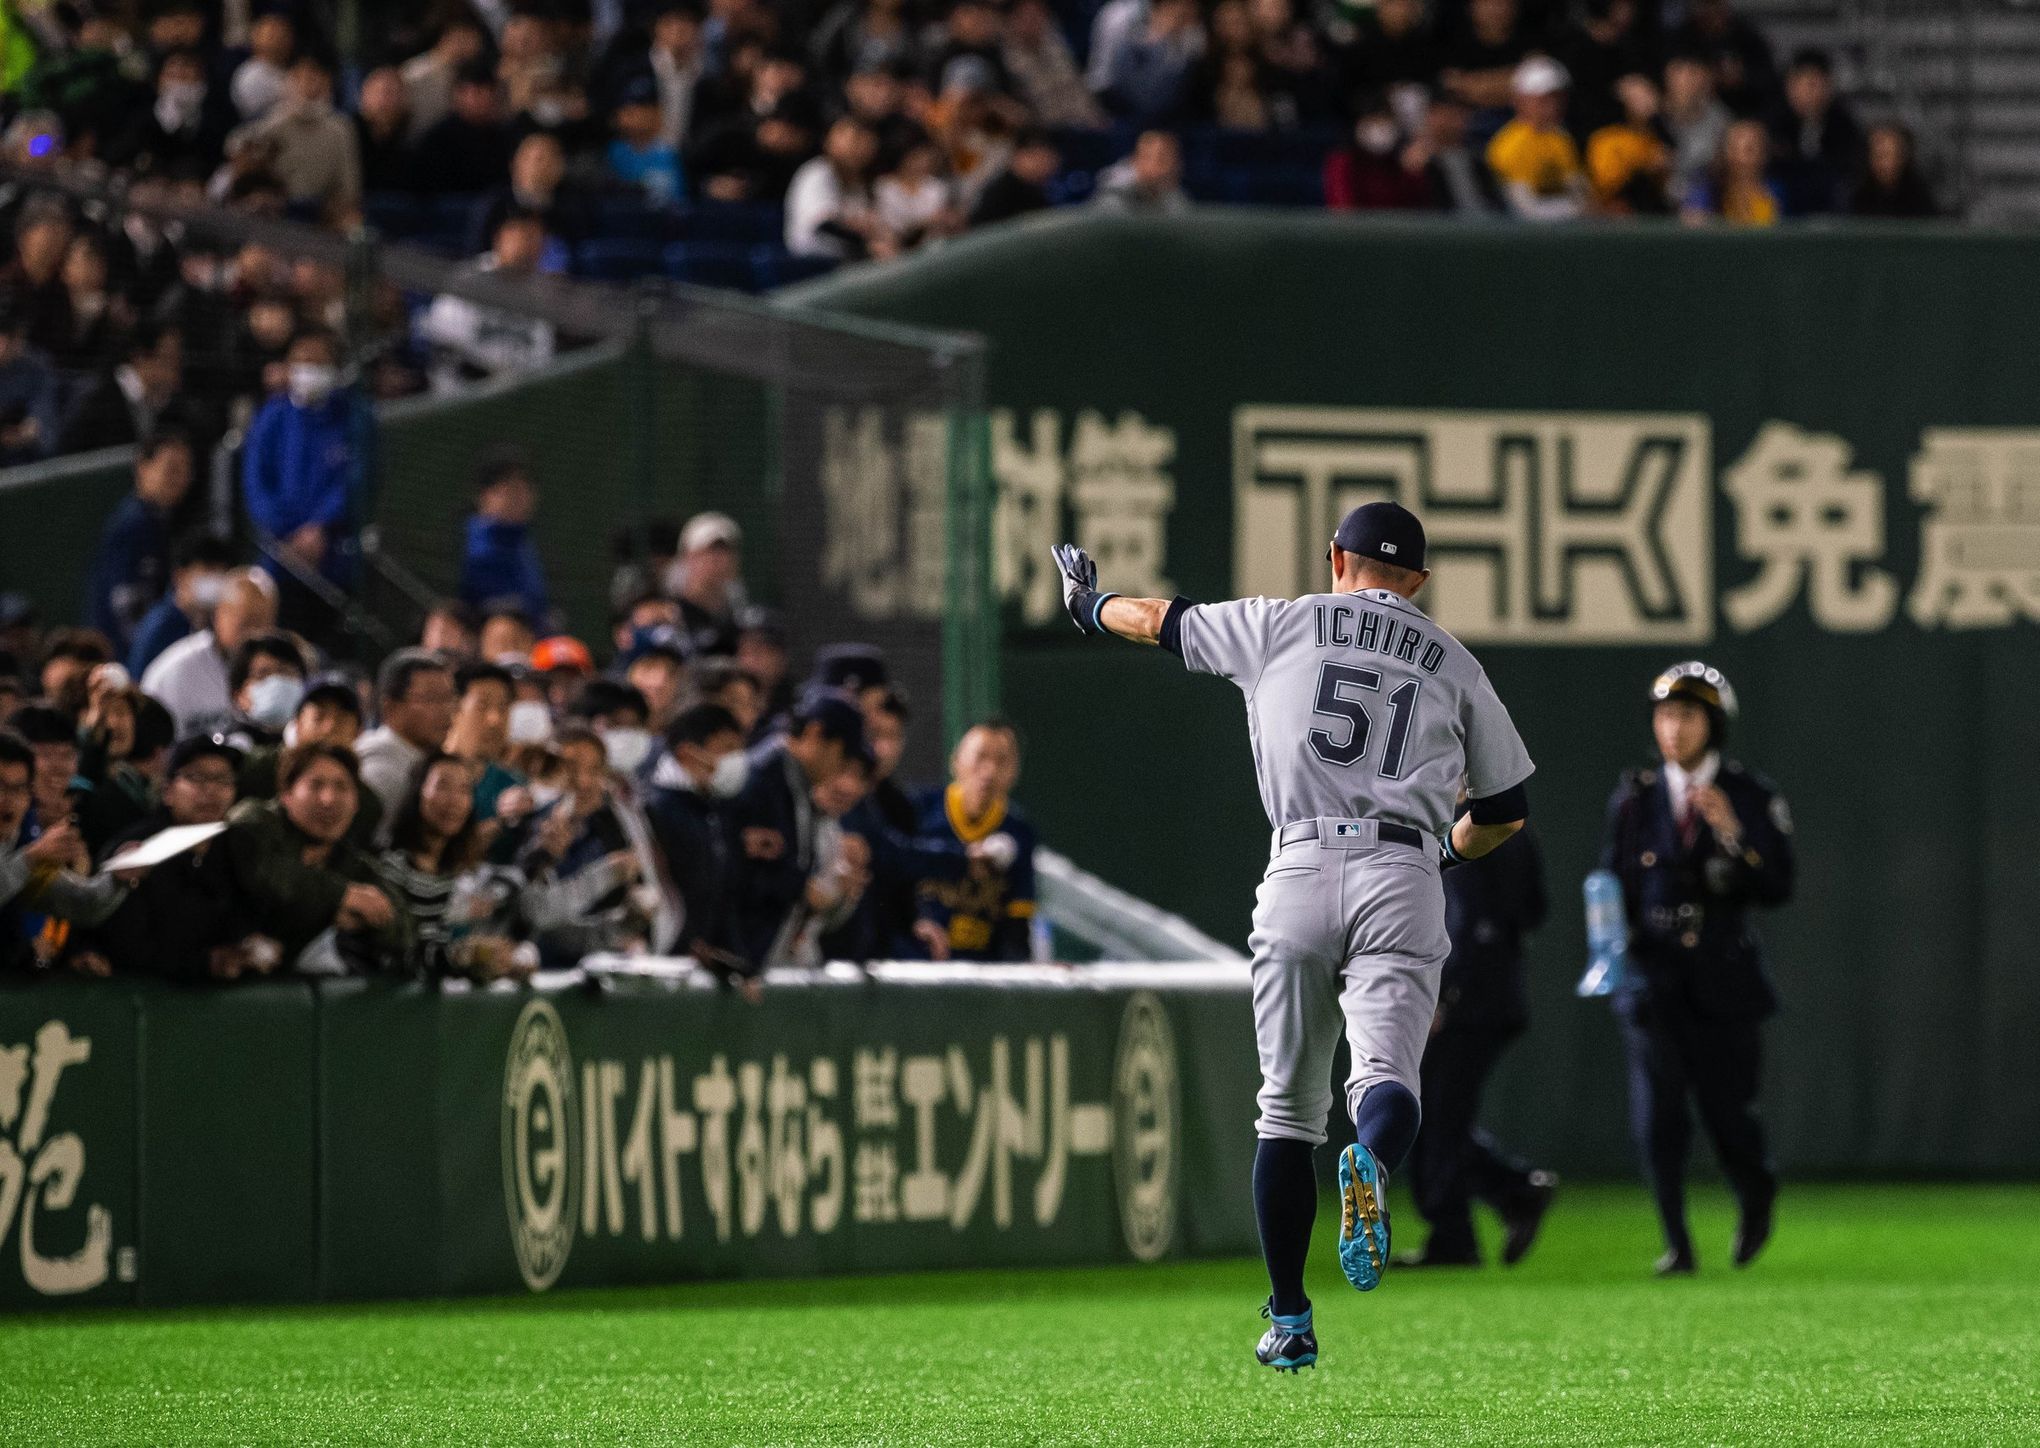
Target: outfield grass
1879	1315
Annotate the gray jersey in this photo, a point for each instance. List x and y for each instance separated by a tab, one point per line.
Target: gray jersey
1358	706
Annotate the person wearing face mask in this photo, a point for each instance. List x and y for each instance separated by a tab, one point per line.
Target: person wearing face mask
185	127
703	767
302	474
191	677
198	580
267	677
1378	172
609	890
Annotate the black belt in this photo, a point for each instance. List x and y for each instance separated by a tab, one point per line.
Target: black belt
1385	831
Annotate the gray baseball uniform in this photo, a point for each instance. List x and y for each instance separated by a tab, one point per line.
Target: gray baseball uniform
1366	720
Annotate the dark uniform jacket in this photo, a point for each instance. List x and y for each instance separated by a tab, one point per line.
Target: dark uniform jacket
689	828
1690	938
1490	904
273	892
770	831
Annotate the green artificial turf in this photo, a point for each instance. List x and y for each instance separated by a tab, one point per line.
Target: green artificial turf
1903	1314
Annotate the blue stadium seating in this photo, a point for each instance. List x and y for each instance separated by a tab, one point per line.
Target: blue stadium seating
617	259
710	263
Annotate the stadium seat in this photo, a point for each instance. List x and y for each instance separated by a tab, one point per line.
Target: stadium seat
725	264
732	222
395	214
617	260
774	266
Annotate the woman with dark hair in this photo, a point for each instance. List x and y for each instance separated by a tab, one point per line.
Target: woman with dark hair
1892	186
431	867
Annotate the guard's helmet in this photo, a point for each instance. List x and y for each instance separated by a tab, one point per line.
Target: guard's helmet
1705	685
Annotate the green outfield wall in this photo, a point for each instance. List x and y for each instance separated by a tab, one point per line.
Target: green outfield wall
1812	457
299	1142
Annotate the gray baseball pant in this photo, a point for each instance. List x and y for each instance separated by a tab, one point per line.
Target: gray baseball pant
1347	927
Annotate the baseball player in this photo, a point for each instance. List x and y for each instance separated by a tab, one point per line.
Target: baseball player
1366	719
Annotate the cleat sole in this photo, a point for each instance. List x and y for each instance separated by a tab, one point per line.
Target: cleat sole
1363	1219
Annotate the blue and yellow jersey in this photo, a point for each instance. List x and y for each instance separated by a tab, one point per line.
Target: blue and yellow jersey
986	909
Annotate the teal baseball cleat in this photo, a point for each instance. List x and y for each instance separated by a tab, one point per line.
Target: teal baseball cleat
1289	1343
1363	1217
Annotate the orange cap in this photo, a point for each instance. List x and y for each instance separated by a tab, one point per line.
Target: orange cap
562	652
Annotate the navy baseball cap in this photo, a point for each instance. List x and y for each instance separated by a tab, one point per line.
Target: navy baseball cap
1385	532
840	718
853	667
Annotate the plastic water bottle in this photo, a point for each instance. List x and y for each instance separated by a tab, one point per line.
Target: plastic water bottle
1607	936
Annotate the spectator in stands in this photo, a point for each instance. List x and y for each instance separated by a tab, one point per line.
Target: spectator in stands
866	34
1694	119
539	186
606	893
710	586
702	768
982	906
877	97
501	563
1605	44
138	398
468	149
1735	52
260	81
727	684
480	732
757	141
1479	63
762	653
638	158
328	712
166	924
95	321
1146	82
29	413
435	844
69	657
885	821
184	131
110	791
46	875
1892	186
199	568
416	695
658	671
382	133
1533	156
1378	172
1022	187
1149	182
1043	73
1226	86
1115	25
474	342
1816	143
559	666
1393	53
1628	163
1295	74
189	678
131	569
52	734
677	62
34	278
915	203
772	821
311	147
292	876
267	677
507	635
302	469
431	77
451	629
841	875
1739	191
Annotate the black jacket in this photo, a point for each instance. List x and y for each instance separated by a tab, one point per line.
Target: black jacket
1490	905
769	831
690	831
1691	942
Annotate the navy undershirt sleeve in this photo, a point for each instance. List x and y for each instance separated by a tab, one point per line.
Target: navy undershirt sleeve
1510	805
1172	624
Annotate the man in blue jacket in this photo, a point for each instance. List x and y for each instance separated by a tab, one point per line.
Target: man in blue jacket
132	567
500	563
305	470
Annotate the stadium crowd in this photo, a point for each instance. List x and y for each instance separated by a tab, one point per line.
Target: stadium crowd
491	802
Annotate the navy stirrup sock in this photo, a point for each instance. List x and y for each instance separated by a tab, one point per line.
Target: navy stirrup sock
1285	1205
1386	1122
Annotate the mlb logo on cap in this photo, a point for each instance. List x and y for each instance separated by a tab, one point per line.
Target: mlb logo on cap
1382	530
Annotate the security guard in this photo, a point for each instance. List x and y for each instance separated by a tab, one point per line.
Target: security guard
1696	842
1483	1005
